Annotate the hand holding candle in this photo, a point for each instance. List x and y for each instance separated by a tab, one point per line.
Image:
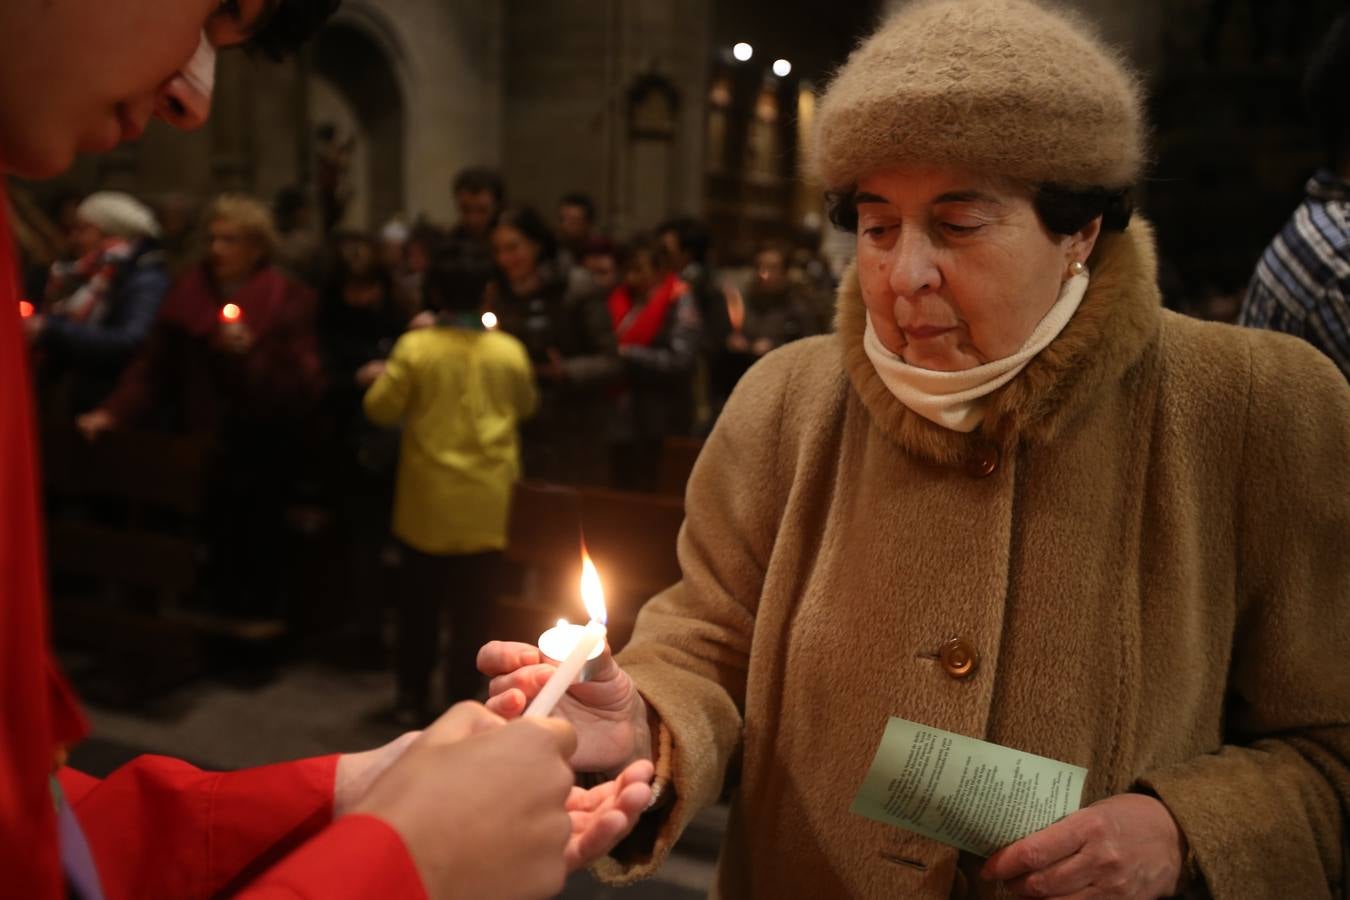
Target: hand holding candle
589	644
234	333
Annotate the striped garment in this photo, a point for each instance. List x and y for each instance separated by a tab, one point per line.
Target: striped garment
1302	284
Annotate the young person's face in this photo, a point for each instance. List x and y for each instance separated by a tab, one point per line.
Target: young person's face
515	254
574	224
477	210
81	76
603	268
640	274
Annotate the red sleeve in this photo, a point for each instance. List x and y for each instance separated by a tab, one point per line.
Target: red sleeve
356	857
159	827
29	864
75	785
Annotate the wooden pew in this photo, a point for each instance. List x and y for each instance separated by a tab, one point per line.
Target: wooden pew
126	510
124	552
125	548
678	455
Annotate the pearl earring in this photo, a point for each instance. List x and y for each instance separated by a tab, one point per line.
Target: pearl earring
1077	268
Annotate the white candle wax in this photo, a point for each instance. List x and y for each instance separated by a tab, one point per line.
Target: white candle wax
589	644
559	641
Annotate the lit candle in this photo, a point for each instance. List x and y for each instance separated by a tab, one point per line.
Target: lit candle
559	641
231	314
573	644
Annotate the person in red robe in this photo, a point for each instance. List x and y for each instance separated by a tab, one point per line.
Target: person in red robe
473	806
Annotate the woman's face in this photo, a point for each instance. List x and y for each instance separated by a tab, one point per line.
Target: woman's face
770	271
957	270
233	252
640	274
82	76
515	254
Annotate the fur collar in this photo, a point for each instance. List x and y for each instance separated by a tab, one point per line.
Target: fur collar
1116	322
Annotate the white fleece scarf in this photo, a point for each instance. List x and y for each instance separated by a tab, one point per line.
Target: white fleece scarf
956	400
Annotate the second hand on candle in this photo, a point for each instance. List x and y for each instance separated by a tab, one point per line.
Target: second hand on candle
562	678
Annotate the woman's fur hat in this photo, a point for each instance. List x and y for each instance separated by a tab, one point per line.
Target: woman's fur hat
1006	87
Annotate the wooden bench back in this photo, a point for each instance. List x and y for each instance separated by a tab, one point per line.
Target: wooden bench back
678	455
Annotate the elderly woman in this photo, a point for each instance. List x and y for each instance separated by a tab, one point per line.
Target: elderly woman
234	340
1013	498
100	307
232	358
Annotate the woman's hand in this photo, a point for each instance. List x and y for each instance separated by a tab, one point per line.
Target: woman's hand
370	372
1127	847
608	713
603	816
95	423
425	319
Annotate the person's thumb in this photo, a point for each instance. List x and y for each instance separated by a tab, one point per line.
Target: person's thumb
559	731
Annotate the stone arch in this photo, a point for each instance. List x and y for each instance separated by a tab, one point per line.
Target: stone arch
359	63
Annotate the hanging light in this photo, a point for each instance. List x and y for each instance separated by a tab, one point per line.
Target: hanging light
743	51
782	68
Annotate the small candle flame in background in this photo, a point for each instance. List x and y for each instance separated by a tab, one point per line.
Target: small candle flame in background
489	320
735	306
592	591
26	309
230	312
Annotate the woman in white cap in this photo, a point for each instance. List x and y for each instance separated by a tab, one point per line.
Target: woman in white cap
99	308
1012	498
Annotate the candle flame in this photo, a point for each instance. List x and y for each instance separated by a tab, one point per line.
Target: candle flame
26	309
489	320
231	312
592	591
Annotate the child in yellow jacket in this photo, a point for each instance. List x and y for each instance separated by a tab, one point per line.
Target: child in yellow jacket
459	390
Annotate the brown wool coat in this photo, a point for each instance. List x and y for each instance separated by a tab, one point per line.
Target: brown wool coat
1156	576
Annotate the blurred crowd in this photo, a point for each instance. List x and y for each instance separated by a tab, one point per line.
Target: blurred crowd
260	329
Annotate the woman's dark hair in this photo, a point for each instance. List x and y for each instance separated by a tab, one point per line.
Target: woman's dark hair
480	178
1325	91
536	230
456	281
1062	210
692	236
582	201
289	24
643	244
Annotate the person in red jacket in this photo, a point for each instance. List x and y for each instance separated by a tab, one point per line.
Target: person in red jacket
473	806
233	349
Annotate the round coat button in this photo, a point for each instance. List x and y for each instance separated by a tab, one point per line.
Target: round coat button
983	462
959	658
